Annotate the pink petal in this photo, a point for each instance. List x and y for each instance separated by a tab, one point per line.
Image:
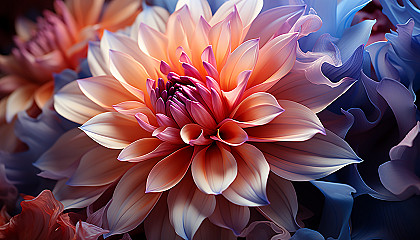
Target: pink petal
200	114
297	88
257	109
98	167
118	12
265	25
229	215
188	207
310	159
130	204
169	171
99	89
146	148
214	169
283	206
248	188
72	104
220	40
168	134
113	130
296	123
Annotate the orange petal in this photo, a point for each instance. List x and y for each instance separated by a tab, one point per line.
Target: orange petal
241	59
169	171
296	123
257	109
104	91
214	169
231	133
146	148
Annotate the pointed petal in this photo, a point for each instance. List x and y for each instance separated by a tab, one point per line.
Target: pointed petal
131	74
249	186
257	109
130	204
188	207
193	134
129	108
283	205
231	133
229	215
60	161
308	160
87	231
268	22
153	42
275	60
248	10
20	100
113	130
77	197
214	169
71	103
146	148
97	64
98	167
169	171
241	59
200	8
296	123
100	89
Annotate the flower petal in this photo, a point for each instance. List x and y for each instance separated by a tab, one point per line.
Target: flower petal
257	109
214	169
248	10
77	197
231	133
296	123
98	167
146	148
113	130
310	159
229	215
283	205
60	161
130	204
241	59
71	103
248	188
99	89
169	171
157	225
188	207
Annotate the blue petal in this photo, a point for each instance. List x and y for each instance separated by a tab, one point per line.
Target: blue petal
353	37
398	14
337	209
306	234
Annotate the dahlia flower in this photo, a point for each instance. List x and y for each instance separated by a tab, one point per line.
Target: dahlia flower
192	111
55	42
